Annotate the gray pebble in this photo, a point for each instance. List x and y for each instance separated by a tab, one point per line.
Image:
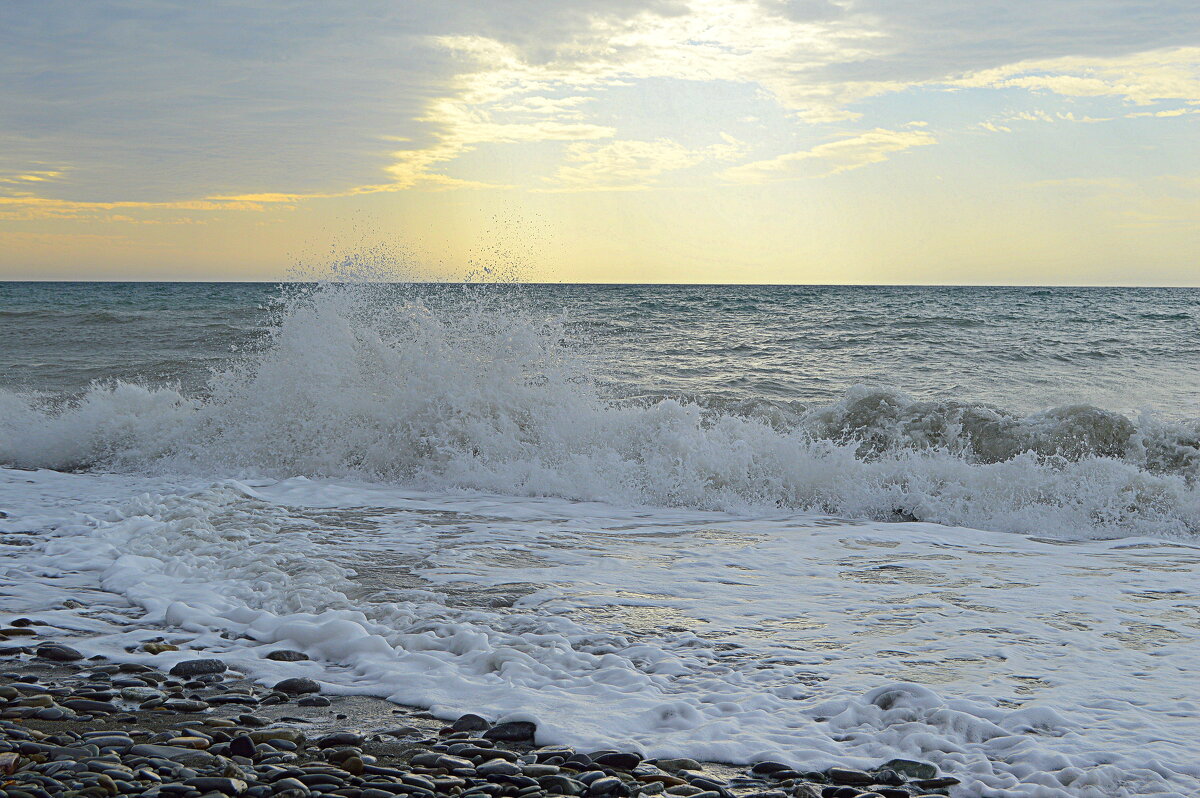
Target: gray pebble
57	652
298	685
197	667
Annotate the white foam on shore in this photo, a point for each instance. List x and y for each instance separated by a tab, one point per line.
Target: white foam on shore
1025	667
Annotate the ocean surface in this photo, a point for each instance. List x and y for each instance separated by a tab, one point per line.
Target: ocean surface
820	525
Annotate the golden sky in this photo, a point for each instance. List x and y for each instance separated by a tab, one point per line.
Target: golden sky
803	141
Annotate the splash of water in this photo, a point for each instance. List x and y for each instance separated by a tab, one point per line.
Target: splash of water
377	380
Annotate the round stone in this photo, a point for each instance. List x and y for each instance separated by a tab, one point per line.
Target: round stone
298	685
197	667
57	652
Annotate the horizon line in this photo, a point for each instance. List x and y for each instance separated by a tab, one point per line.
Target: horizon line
595	284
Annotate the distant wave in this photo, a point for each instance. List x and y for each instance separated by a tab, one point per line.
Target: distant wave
367	381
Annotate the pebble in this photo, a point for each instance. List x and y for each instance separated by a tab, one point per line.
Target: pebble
57	652
251	756
849	776
618	759
298	685
197	667
470	722
911	768
518	731
675	765
608	785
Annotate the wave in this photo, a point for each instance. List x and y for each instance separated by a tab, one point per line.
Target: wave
371	381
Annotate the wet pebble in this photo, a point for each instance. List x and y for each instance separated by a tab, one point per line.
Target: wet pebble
197	667
298	685
57	652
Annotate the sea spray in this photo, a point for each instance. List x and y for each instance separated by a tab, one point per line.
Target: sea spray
475	388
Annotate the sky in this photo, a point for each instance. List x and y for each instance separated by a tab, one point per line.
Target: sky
758	141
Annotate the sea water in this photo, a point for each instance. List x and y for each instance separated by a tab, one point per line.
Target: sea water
820	525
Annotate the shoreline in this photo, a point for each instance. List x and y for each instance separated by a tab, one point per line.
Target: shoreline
90	728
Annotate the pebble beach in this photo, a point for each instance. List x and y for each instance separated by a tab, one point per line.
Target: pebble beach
88	728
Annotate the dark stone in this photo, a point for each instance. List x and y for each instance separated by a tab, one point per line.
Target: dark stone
340	740
705	783
767	768
314	701
470	722
287	655
197	667
254	721
839	792
452	762
57	652
18	631
298	685
89	706
912	769
232	698
561	785
186	705
937	783
217	784
606	786
849	776
498	767
288	785
889	777
618	760
242	746
518	731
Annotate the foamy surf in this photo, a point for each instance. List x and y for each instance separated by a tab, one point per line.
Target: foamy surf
370	382
444	501
810	640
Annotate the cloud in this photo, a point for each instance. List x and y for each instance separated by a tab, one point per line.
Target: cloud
276	103
834	157
29	207
633	165
929	40
1163	114
1140	78
1007	122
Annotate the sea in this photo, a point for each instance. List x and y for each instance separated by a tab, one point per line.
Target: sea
820	525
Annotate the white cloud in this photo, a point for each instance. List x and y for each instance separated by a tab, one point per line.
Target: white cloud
830	158
167	101
632	165
1163	114
1140	78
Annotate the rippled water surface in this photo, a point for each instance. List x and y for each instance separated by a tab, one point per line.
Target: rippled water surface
1026	349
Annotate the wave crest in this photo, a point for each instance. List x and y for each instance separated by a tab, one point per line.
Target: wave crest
373	381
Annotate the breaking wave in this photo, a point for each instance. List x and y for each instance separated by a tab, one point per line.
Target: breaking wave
374	381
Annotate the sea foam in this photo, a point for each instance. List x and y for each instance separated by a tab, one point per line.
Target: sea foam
475	390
